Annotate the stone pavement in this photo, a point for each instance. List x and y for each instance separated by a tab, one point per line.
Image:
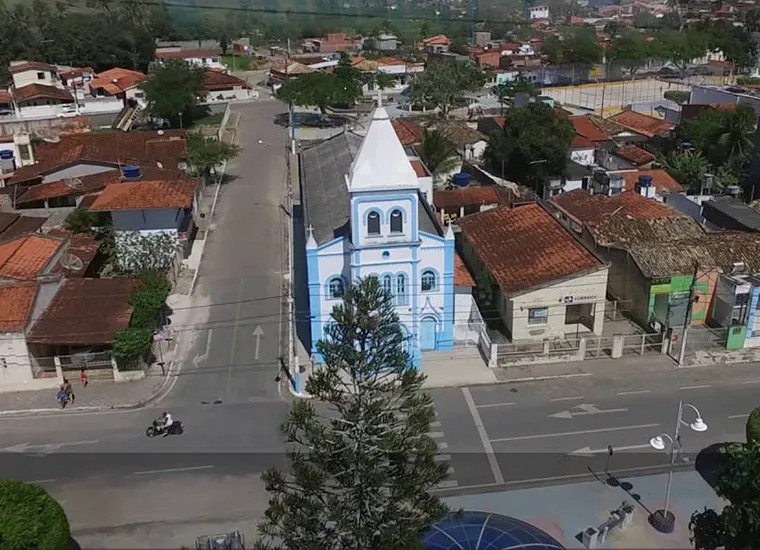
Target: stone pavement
601	367
462	366
564	511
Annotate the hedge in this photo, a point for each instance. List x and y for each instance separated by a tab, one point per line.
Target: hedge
137	339
31	519
753	427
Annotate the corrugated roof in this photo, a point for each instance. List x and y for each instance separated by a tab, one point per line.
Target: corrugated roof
16	303
525	247
85	312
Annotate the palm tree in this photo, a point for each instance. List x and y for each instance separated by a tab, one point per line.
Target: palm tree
736	135
438	153
686	167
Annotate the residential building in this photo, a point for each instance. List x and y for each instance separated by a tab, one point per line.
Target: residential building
397	69
469	142
548	283
29	256
727	212
219	86
587	128
613	226
452	204
200	58
538	12
77	77
143	210
118	84
25	73
386	43
491	59
583	151
436	44
16	305
481	38
332	43
725	94
408	131
642	124
627	157
364	217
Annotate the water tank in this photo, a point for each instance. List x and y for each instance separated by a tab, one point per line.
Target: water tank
733	190
7	164
462	179
645	181
131	172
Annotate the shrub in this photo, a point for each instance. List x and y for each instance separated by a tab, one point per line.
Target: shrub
132	342
137	339
31	518
753	427
678	96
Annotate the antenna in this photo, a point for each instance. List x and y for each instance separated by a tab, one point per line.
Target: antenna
71	262
74	183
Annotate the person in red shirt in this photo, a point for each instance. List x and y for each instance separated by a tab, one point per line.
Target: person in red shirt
83	378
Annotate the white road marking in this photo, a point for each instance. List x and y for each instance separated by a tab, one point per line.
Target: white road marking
489	405
171	470
578	398
636	392
40	481
435	435
436	424
201	357
751	382
234	336
585	409
495	469
442	458
588	451
447	484
443	445
579	432
739	416
695	387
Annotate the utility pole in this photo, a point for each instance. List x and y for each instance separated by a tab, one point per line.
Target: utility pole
689	307
290	106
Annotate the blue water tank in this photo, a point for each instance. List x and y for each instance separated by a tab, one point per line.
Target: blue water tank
645	181
461	179
6	155
131	172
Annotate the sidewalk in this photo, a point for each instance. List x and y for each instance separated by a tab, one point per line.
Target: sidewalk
563	511
462	366
590	367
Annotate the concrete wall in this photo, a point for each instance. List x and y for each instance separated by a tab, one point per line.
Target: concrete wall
34	126
584	157
225	96
15	366
148	221
586	289
24	78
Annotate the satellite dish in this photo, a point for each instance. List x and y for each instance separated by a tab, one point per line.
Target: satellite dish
71	262
160	132
74	183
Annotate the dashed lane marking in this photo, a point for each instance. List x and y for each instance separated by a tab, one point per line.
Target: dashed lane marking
577	398
635	392
436	435
703	386
490	405
171	470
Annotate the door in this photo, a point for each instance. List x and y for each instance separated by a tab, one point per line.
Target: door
427	334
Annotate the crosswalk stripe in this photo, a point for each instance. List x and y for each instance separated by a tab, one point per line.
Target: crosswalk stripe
435	424
436	435
442	458
448	484
450	471
443	445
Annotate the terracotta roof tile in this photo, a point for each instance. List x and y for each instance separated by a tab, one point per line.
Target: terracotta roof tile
25	258
580	142
586	128
437	40
525	247
408	132
215	81
5	97
462	275
635	155
186	54
23	225
76	72
21	66
643	124
419	168
142	195
16	303
40	91
117	80
460	134
85	312
663	182
587	208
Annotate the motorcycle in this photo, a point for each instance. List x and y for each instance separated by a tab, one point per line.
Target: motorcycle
175	429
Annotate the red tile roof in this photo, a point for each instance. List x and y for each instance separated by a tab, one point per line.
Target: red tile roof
91	184
30	66
85	312
419	168
635	155
76	72
663	182
31	92
110	148
16	303
437	40
143	195
580	142
24	258
82	246
470	196
408	132
643	124
525	247
5	97
216	81
587	208
586	128
117	80
23	225
462	275
186	54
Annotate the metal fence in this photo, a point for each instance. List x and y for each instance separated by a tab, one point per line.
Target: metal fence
43	367
87	361
642	344
599	347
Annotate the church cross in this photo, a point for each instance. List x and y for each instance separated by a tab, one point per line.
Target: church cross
310	229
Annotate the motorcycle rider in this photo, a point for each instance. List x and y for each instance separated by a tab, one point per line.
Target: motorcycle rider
165	423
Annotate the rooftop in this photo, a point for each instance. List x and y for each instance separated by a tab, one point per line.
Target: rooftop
143	195
13	225
16	303
34	91
580	142
408	132
586	128
744	214
462	275
635	155
25	258
20	66
526	247
216	80
439	39
460	134
643	124
85	312
479	196
81	247
117	80
663	182
186	54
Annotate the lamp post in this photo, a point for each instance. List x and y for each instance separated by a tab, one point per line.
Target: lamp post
664	520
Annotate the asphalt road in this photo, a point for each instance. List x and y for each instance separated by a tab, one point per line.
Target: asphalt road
233	333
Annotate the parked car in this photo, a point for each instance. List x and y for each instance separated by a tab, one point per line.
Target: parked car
69	111
6	112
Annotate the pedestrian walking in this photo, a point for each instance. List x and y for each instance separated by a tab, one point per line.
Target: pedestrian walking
83	378
62	397
68	389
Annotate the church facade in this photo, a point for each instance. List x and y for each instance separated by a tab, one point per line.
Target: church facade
365	216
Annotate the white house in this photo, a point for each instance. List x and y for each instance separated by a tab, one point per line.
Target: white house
37	90
201	58
365	217
538	12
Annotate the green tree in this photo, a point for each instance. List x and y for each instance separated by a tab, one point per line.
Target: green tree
360	473
580	46
686	167
752	20
753	427
224	42
487	290
535	141
438	153
737	480
681	47
679	96
632	50
81	220
31	519
724	136
444	83
172	90
321	90
205	154
507	91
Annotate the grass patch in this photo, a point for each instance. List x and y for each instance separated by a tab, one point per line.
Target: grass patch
238	62
214	119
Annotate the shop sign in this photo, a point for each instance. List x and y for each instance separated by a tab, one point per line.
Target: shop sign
578	299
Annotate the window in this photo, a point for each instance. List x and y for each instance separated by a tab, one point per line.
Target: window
23	152
40	76
397	222
401	297
428	281
335	288
373	223
387	284
538	315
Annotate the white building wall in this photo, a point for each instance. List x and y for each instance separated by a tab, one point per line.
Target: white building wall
16	368
584	157
587	289
24	78
148	221
224	96
408	205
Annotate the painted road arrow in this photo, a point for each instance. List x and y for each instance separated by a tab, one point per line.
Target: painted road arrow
258	333
585	410
42	450
589	452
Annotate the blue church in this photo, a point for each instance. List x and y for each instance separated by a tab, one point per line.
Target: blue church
365	215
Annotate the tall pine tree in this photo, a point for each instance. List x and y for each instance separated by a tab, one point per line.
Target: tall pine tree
360	470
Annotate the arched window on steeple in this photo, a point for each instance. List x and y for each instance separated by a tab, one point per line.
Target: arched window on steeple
373	223
397	221
388	284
